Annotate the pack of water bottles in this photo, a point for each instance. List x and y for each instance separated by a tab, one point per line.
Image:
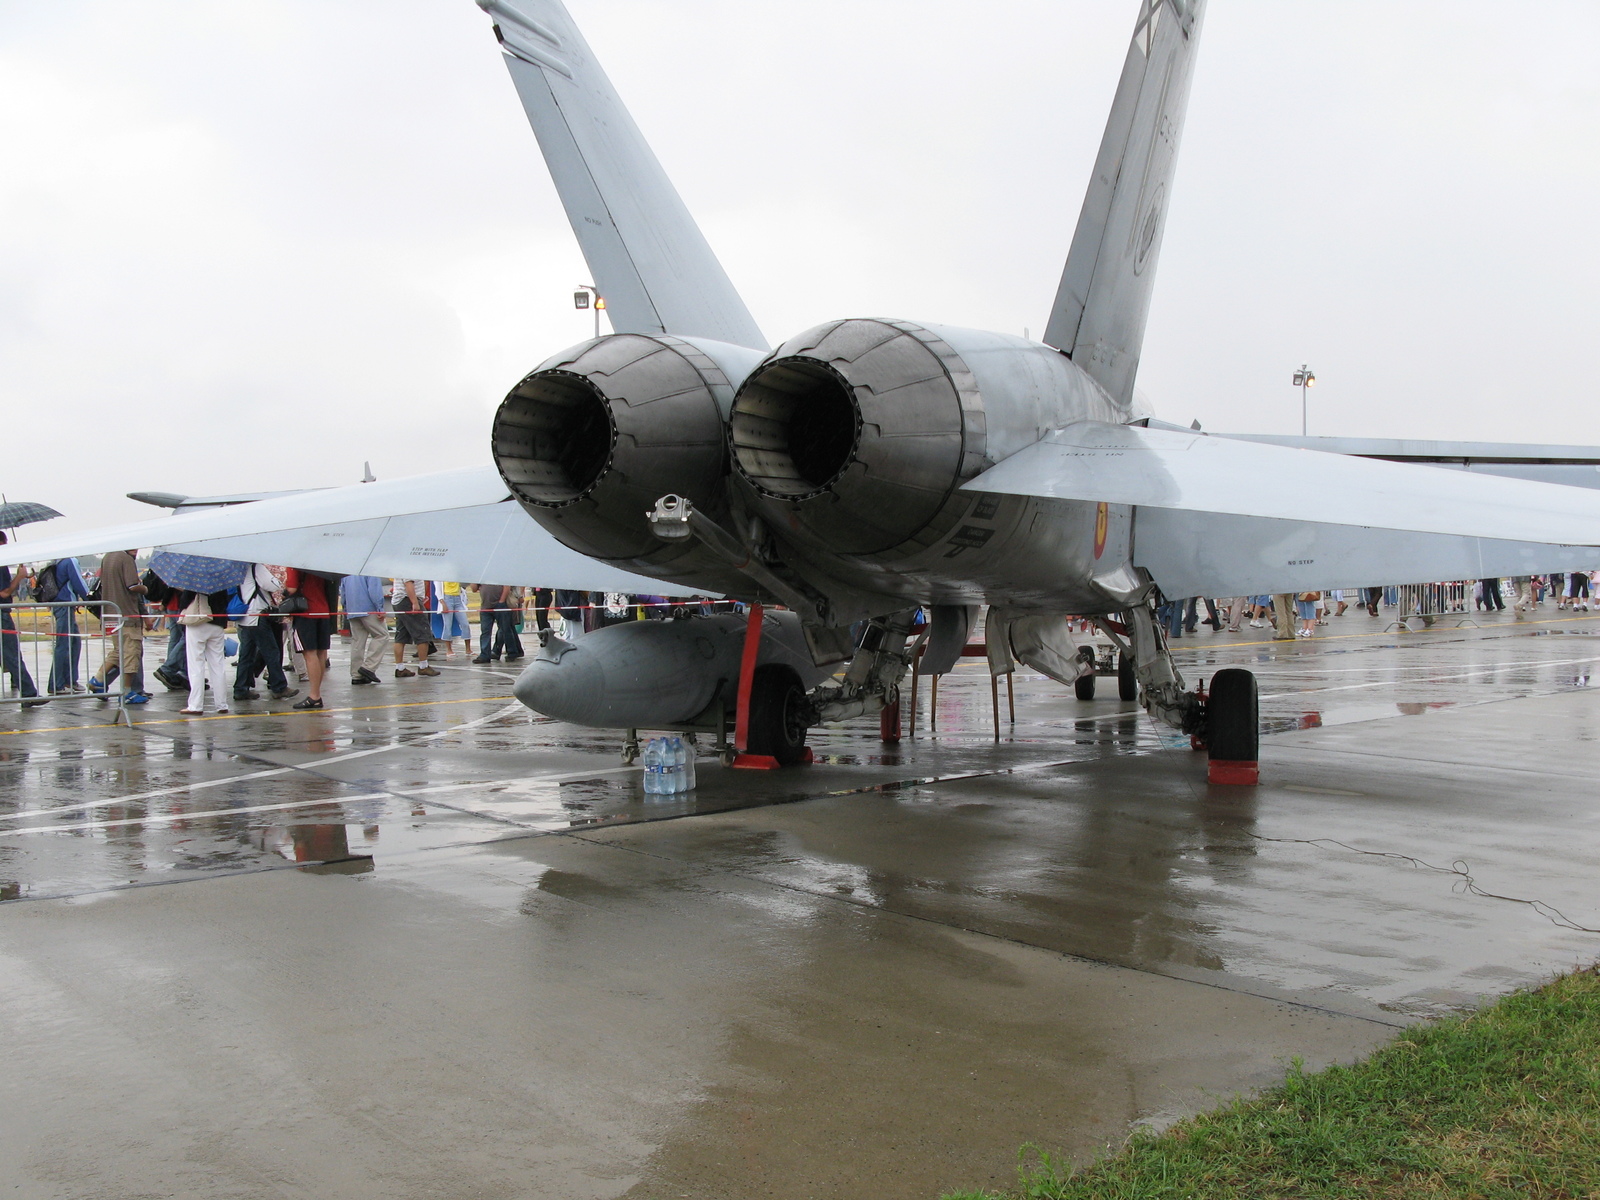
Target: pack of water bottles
668	766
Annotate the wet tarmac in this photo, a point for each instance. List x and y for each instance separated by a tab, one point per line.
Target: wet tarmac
424	945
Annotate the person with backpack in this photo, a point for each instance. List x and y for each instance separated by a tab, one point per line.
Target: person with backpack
260	637
61	584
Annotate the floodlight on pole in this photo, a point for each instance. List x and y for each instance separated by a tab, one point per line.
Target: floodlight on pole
1303	379
581	299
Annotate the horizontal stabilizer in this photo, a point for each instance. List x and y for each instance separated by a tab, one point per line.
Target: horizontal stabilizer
459	525
1193	472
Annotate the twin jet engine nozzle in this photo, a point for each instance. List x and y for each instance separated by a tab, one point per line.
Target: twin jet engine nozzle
849	441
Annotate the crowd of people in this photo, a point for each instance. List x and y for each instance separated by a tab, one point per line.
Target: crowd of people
285	621
1300	614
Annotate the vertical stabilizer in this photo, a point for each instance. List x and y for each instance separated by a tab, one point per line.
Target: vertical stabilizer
1100	309
648	257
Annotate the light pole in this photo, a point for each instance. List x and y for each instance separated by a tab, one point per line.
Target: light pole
581	299
1303	379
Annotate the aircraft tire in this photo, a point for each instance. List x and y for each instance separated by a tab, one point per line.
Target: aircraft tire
1127	681
1083	687
778	714
1233	717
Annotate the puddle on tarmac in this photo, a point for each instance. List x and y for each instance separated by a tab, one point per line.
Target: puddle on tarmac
319	845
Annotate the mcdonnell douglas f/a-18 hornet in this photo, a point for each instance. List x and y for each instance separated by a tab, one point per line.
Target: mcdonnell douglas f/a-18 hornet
873	468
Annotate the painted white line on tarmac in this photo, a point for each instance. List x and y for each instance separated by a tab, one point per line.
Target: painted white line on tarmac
397	794
253	775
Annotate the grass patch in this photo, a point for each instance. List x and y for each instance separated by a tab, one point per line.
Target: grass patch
1504	1102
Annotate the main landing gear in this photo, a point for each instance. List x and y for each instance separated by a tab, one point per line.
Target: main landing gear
1225	722
772	713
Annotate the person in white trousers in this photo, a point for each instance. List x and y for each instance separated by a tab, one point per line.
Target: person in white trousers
204	642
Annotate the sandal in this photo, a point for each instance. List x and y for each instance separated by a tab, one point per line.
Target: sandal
309	703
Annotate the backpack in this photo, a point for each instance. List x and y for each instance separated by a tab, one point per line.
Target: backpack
156	590
47	587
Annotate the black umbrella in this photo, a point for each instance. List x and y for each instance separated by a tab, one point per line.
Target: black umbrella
24	512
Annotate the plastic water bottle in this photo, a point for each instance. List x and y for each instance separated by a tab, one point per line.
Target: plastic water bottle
653	778
688	768
675	765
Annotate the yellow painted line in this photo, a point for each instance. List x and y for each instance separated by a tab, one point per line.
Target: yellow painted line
233	716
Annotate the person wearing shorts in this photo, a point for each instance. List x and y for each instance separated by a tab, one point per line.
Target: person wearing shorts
413	626
313	630
1305	607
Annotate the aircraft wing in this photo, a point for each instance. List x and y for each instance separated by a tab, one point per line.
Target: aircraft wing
1196	473
648	257
449	525
1218	554
1575	466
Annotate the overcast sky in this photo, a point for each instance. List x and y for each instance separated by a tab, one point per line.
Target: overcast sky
250	245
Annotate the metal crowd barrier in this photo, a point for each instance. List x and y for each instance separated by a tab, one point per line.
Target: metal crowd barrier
31	634
1428	602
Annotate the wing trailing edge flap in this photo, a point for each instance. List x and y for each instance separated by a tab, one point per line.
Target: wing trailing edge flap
648	257
1198	474
448	525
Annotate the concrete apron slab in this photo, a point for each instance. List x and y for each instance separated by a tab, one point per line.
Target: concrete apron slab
877	977
554	1017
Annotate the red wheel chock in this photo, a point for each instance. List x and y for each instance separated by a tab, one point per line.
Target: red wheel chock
1244	774
754	762
765	762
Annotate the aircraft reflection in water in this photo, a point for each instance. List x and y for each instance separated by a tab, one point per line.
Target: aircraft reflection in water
872	467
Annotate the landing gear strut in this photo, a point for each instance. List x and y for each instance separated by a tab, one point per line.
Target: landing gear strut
773	712
1225	722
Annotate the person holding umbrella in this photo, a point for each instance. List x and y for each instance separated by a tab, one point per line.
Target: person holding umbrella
10	647
205	623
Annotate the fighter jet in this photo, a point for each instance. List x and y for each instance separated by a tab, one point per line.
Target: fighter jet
874	468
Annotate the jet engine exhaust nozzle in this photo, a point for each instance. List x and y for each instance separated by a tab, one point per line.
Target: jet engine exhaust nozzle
589	440
859	431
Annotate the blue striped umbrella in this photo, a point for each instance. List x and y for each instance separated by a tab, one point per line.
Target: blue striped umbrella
24	512
196	572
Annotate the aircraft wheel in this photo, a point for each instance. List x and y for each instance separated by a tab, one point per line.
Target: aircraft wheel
1127	681
779	714
1233	717
1083	687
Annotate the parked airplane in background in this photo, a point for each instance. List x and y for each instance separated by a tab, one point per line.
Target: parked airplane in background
178	502
871	467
